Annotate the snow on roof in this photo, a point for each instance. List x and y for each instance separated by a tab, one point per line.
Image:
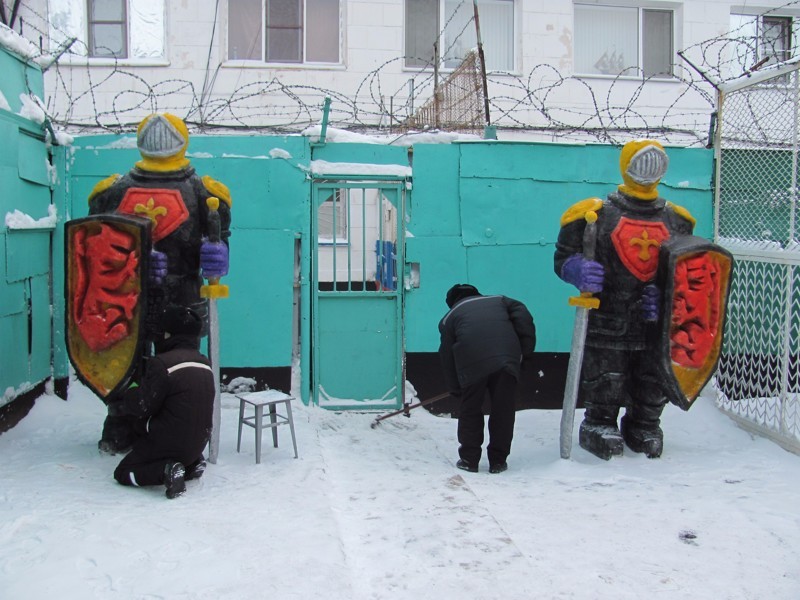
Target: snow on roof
323	167
13	42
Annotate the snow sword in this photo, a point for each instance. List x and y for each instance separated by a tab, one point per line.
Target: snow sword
583	304
212	291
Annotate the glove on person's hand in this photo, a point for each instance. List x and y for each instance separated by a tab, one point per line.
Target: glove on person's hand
586	275
651	296
214	259
158	267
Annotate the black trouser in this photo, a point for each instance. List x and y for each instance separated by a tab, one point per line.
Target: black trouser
141	467
612	379
144	465
501	386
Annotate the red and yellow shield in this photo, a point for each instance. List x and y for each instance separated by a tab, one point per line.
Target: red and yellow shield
637	243
164	207
696	277
105	289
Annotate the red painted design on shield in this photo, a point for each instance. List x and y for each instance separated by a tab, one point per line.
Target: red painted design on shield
637	244
696	304
105	265
164	207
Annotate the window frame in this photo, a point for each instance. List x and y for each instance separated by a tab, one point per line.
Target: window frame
90	31
339	205
793	38
304	40
78	26
641	8
442	21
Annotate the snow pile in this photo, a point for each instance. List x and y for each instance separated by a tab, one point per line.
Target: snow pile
20	220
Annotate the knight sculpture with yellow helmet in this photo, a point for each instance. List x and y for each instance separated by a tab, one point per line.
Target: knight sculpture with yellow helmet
164	187
619	369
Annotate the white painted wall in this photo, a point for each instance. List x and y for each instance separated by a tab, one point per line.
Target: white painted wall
373	40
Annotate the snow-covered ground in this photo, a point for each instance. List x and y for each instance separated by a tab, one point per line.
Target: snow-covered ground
382	513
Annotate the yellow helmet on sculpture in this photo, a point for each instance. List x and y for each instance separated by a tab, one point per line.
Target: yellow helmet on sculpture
162	139
642	163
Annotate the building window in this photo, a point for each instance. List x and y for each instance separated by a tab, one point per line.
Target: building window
287	31
332	219
450	22
107	31
764	40
117	29
623	40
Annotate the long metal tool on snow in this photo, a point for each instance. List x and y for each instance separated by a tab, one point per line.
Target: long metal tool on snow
408	407
583	304
213	291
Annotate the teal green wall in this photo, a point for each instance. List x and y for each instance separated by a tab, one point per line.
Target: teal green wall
480	212
25	257
270	210
488	213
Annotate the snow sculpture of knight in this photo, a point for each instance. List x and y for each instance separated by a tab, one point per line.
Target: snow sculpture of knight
164	187
619	366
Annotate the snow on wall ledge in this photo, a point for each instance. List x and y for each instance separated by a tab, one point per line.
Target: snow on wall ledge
19	220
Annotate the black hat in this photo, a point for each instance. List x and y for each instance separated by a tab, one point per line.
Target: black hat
180	320
460	291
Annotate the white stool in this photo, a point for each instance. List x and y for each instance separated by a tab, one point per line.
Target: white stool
258	400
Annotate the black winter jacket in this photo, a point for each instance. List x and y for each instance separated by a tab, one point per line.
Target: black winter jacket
177	398
484	334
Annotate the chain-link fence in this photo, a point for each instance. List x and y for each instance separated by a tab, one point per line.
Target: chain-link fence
758	382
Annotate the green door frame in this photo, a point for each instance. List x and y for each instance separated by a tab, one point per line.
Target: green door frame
353	296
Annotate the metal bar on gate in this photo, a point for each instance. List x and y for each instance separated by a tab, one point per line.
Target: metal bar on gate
349	244
363	240
718	163
336	200
793	213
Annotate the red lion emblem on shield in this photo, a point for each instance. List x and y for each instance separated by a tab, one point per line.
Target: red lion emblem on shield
104	295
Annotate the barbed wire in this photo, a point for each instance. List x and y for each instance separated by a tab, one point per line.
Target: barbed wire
545	102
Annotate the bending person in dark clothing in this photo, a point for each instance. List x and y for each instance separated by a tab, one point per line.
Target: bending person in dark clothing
483	342
174	405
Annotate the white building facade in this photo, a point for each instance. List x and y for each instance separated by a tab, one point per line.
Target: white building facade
560	69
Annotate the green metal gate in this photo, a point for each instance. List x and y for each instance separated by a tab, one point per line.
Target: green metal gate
357	346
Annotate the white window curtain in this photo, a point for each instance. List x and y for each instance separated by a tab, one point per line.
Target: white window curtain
606	39
497	32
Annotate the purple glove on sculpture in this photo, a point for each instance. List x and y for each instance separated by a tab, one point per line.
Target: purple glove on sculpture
650	303
158	267
586	275
214	259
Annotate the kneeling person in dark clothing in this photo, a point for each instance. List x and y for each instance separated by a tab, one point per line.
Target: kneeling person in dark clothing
483	342
175	402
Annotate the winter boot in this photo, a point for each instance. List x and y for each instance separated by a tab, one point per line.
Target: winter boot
601	439
174	479
649	440
498	467
466	466
196	469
